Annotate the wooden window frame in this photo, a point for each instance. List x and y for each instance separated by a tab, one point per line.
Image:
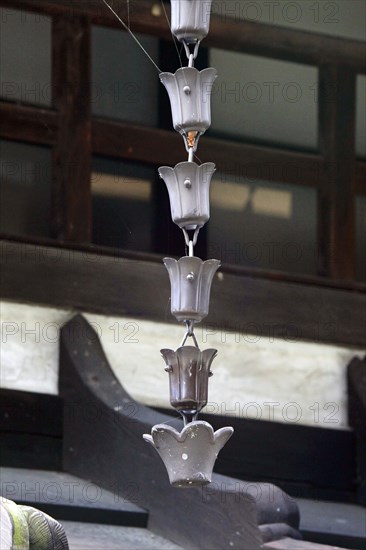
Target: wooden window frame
75	135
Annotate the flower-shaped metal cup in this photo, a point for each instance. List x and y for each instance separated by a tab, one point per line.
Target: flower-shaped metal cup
189	370
189	93
189	456
190	19
189	192
190	281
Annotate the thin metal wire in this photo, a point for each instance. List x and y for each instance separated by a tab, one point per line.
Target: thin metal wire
184	339
170	28
131	33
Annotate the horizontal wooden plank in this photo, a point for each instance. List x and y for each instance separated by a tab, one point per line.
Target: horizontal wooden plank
307	461
24	450
28	124
91	282
68	497
226	32
119	538
135	143
286	44
160	147
30	430
33	413
333	523
318	461
291	544
92	250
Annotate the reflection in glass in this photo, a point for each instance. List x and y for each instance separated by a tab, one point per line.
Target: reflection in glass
361	116
25	189
125	83
361	238
263	224
264	100
25	57
122	204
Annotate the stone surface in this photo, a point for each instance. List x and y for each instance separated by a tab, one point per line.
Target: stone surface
292	544
337	518
43	487
264	378
83	536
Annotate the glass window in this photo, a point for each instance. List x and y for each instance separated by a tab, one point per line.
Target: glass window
124	81
361	238
343	18
263	224
264	100
25	189
361	117
25	57
123	215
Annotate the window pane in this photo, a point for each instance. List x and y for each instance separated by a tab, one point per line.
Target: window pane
361	117
263	224
25	57
25	188
264	100
122	205
361	237
125	82
344	18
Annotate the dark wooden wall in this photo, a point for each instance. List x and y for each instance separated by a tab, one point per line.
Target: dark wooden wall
327	308
74	134
242	301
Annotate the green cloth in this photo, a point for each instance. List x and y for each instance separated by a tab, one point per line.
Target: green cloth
31	529
20	525
45	533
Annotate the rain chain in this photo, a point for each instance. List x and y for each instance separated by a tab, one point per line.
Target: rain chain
189	455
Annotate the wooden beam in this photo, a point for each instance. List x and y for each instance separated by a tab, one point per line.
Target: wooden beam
159	147
28	124
235	269
30	430
291	544
308	461
60	277
24	450
336	196
227	31
136	143
32	413
71	66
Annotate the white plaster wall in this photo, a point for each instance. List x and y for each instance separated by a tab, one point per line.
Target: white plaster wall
267	378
